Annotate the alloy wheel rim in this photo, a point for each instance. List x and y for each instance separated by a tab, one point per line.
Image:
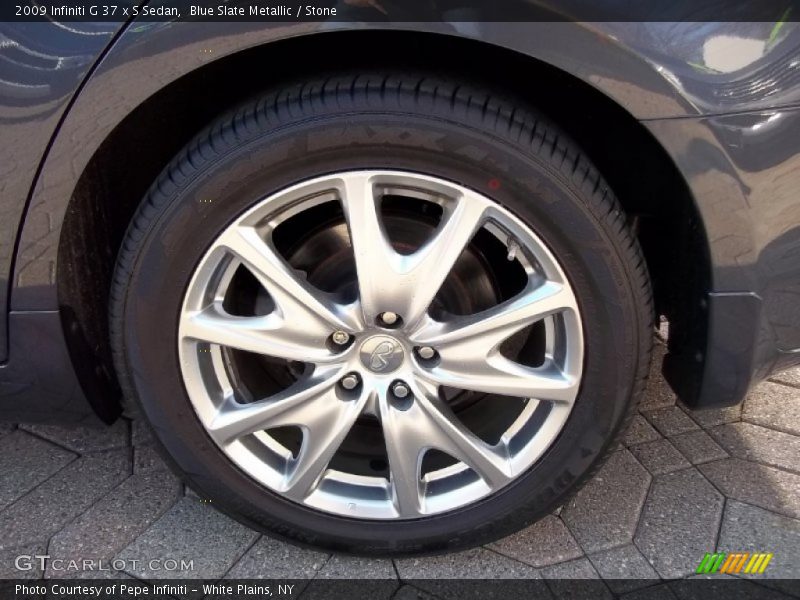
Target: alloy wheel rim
392	359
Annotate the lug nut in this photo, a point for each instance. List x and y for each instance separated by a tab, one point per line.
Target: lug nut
400	389
350	381
340	338
426	352
389	318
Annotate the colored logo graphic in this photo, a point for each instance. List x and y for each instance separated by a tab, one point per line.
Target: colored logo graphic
753	563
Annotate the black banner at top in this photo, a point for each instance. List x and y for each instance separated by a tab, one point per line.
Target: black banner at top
770	11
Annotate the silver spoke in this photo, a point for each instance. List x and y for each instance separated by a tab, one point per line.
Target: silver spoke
495	374
489	328
293	406
295	298
469	355
404	284
322	437
376	260
314	407
405	445
426	424
447	433
271	334
431	264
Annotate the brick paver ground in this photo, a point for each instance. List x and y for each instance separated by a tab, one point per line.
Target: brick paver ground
682	483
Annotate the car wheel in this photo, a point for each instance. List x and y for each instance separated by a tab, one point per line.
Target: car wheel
383	314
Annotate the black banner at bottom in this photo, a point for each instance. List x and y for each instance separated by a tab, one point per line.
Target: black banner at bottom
118	587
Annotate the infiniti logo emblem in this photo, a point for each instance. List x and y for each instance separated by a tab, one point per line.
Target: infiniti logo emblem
379	358
381	354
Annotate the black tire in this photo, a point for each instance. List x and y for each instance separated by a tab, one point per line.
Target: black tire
427	124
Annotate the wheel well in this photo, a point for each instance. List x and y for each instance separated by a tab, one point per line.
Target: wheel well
649	186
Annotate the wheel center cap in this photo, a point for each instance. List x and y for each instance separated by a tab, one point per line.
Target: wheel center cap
381	354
